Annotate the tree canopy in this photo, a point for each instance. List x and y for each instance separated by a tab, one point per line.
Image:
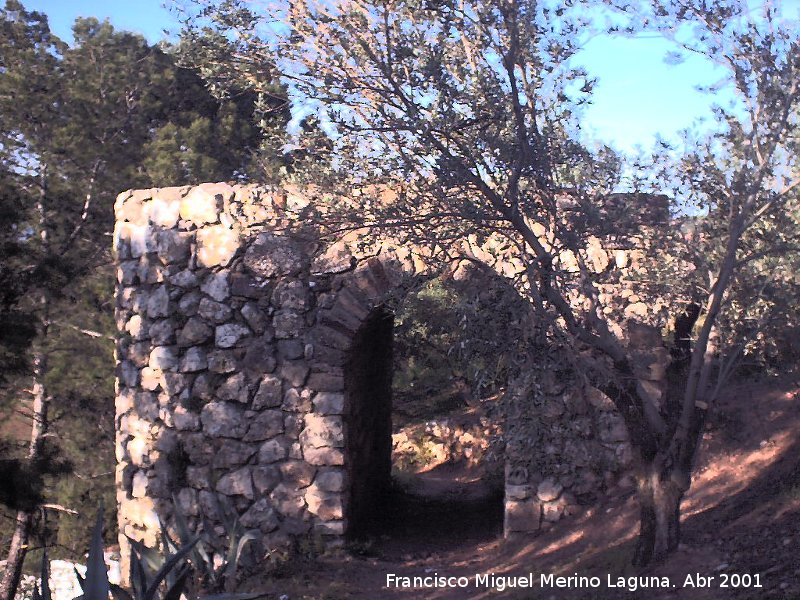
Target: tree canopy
470	111
79	123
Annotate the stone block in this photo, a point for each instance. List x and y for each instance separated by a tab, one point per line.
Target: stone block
295	401
290	349
193	361
202	204
196	331
322	431
522	516
163	358
146	406
326	382
139	487
255	317
234	388
323	456
237	483
185	279
198	477
128	373
331	528
227	336
217	245
549	490
518	492
298	473
142	240
288	324
158	303
162	332
269	394
224	419
246	286
330	480
329	403
164	211
184	420
265	478
264	426
273	255
327	506
273	450
187	305
291	294
136	327
552	511
261	515
223	361
260	356
152	379
173	247
295	373
288	500
213	311
293	424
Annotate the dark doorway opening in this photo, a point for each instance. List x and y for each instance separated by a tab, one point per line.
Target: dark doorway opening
415	434
368	443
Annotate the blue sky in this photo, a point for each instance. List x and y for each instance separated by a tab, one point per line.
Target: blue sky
638	96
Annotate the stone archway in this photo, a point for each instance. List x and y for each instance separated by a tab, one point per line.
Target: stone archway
253	367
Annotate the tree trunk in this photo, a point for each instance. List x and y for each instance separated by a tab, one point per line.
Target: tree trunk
24	519
16	555
660	496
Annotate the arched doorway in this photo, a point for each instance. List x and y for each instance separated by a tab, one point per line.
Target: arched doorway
368	425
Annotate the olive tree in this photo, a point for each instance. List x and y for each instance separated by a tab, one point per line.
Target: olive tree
468	110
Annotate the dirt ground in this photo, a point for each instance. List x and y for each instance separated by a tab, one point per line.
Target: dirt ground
741	527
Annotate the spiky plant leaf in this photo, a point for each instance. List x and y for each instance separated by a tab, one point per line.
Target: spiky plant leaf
199	558
81	579
45	579
170	563
138	575
235	552
120	593
175	590
151	559
96	586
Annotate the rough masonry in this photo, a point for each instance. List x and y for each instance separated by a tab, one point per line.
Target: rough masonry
254	373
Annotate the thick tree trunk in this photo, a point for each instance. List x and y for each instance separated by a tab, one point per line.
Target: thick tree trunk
660	498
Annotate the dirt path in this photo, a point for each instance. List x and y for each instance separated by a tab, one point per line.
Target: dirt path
741	516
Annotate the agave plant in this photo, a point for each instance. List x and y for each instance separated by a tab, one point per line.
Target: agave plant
221	576
149	570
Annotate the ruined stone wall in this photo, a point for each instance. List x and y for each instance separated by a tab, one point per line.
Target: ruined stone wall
236	386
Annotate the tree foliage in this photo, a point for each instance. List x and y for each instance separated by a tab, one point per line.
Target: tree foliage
468	110
78	124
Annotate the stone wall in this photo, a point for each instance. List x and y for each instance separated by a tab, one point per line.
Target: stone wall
254	372
566	442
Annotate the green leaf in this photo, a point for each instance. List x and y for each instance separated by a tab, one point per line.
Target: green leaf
169	564
175	590
202	562
96	587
